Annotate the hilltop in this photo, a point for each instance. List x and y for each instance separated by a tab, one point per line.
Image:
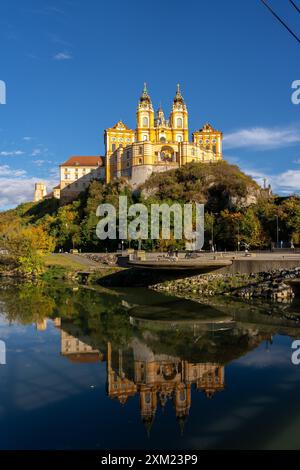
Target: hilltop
236	210
218	185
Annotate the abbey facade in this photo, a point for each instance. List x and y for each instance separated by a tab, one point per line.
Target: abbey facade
157	144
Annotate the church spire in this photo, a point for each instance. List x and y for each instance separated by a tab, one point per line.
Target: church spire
178	97
145	96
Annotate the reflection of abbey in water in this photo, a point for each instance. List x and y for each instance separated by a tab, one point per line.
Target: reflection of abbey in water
159	372
159	377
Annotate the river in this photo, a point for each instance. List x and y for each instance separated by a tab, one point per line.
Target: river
136	369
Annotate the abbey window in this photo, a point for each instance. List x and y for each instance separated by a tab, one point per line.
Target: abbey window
179	122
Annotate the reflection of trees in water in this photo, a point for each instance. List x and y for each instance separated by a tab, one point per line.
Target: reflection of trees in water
101	317
26	303
158	359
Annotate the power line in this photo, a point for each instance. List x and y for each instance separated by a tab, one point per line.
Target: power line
295	6
280	20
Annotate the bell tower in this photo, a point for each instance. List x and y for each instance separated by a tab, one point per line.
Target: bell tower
179	118
145	118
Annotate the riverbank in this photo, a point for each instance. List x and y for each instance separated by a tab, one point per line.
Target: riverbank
273	285
103	269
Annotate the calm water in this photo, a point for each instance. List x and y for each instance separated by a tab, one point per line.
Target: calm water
94	369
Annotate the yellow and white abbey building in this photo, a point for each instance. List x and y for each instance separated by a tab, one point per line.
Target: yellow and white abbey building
157	144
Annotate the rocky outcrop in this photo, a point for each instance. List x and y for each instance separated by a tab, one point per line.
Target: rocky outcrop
268	285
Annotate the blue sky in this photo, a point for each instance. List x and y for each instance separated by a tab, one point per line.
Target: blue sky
73	68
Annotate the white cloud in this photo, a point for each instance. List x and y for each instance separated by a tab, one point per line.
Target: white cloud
36	152
5	170
263	137
39	162
14	191
287	182
12	153
297	161
27	138
62	56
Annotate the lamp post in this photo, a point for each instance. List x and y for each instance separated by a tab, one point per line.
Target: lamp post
277	231
212	230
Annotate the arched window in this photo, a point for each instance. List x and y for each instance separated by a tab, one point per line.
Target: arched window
179	122
179	138
162	139
147	398
145	137
145	121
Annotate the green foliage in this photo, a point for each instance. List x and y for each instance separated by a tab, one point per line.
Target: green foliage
54	273
24	247
229	195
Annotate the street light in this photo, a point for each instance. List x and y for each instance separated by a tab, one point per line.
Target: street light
277	231
212	230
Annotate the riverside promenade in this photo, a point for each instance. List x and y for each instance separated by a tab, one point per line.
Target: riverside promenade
227	262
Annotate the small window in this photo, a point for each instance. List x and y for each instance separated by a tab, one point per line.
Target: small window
113	147
145	121
148	398
145	137
179	122
141	150
140	161
179	138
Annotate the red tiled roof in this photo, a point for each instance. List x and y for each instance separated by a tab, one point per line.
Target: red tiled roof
83	357
84	161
